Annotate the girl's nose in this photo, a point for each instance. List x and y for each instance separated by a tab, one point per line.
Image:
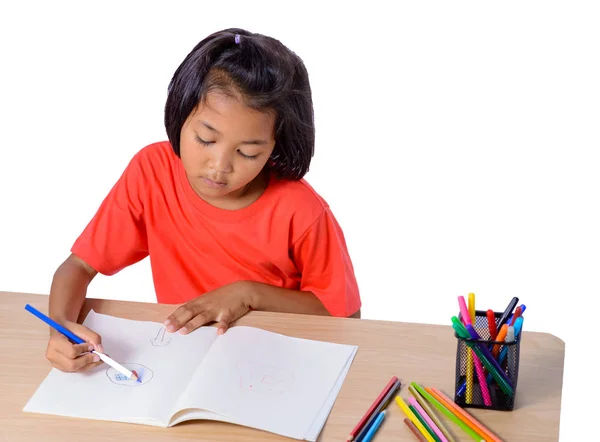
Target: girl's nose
221	161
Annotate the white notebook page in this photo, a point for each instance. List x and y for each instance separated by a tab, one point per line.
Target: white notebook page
266	380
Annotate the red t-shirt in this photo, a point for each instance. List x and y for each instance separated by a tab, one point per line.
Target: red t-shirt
287	238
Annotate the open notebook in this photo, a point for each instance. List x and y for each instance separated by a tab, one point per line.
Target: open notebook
247	376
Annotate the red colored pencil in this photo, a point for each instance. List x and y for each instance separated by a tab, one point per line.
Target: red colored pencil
492	324
365	418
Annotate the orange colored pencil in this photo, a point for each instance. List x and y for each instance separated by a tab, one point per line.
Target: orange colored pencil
463	415
414	429
501	337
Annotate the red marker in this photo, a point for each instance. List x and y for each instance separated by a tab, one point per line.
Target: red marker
518	313
492	324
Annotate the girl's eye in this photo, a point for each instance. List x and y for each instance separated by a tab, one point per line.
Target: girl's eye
201	141
248	157
208	143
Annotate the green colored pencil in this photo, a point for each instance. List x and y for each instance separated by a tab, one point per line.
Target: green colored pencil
424	423
441	407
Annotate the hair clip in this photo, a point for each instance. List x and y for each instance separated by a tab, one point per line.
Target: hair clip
237	39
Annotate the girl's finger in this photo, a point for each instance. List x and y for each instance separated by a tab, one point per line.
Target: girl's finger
223	322
65	363
76	350
62	345
82	362
88	367
88	335
222	327
181	316
197	321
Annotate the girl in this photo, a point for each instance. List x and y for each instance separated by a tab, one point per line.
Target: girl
221	209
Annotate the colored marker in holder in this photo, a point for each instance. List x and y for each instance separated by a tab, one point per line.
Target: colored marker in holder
502	371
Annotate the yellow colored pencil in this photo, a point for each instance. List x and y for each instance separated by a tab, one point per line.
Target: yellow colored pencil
432	414
414	419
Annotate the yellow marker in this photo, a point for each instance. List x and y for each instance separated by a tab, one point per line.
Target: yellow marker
414	419
472	308
469	392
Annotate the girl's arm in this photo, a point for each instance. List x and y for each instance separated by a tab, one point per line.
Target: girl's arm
276	299
230	302
67	294
69	288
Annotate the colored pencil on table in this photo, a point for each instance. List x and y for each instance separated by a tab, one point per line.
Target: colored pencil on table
421	400
424	423
380	407
415	430
442	408
371	409
414	419
374	427
477	426
432	425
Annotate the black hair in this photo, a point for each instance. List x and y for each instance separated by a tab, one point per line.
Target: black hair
269	77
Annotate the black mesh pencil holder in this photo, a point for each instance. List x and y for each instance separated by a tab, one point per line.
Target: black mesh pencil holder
500	374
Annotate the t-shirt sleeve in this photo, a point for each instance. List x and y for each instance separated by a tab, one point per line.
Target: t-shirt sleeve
322	258
116	236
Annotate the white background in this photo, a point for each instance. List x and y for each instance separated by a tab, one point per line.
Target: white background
456	144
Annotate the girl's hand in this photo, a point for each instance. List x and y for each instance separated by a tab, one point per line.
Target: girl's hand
69	357
223	305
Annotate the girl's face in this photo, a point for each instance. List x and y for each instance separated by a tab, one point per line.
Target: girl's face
224	147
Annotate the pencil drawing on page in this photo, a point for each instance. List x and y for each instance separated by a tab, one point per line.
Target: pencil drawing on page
159	340
145	375
262	378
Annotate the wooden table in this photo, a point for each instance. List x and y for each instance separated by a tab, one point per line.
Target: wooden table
413	352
